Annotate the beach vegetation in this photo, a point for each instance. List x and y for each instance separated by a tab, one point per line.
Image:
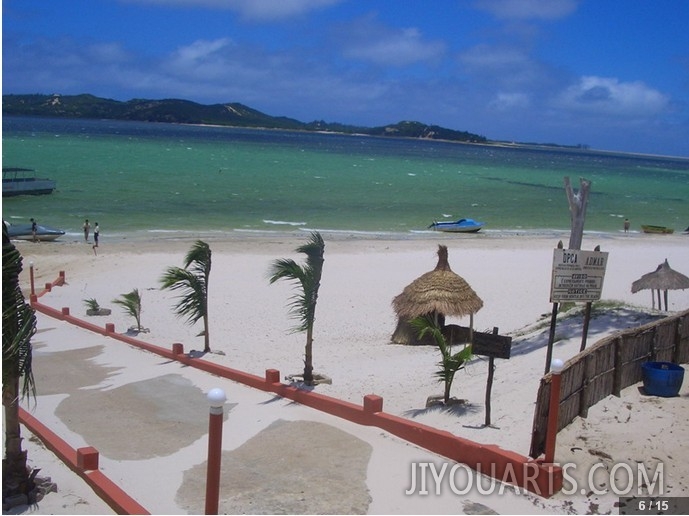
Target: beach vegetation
131	303
307	278
93	307
192	280
450	362
92	304
18	327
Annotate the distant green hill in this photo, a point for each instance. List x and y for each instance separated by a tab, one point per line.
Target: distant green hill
186	112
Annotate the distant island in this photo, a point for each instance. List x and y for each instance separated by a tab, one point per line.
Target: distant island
176	111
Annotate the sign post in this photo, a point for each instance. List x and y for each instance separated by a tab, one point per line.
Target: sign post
577	276
493	346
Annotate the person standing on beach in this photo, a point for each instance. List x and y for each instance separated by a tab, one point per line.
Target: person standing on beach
626	225
96	234
87	228
34	228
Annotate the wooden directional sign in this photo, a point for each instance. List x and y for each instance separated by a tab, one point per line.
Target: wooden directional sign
490	345
577	275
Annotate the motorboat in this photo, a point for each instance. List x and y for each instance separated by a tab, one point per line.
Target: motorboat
459	226
23	181
23	232
657	229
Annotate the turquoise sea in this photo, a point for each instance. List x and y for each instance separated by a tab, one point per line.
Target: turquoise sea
144	178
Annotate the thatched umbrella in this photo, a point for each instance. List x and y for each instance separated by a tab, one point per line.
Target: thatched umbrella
663	278
437	293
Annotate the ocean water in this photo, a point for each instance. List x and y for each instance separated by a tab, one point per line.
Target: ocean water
145	178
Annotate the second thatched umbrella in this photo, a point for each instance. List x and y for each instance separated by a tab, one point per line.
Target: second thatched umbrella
663	278
437	293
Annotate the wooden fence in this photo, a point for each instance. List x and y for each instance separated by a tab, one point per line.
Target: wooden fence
607	367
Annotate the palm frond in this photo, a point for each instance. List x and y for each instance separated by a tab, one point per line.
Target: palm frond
18	321
200	255
192	282
131	303
192	300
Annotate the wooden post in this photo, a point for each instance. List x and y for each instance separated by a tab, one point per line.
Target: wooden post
585	331
551	339
489	383
577	209
617	374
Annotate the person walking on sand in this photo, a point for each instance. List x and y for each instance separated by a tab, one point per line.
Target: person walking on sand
96	234
87	228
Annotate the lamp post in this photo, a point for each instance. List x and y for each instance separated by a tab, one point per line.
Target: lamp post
216	398
31	279
553	408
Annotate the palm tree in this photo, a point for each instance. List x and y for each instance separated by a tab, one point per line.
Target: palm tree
308	277
131	302
18	327
450	363
192	280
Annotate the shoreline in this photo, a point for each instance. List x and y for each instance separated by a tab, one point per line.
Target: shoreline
247	235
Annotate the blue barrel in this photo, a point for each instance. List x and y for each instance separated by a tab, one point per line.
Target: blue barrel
662	378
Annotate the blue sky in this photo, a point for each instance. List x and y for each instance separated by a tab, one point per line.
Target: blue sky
612	74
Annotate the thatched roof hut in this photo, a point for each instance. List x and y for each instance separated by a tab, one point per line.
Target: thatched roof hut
663	278
437	293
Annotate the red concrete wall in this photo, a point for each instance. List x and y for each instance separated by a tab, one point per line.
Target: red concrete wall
81	461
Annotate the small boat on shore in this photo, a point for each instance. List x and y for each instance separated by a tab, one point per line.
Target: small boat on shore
23	181
23	232
459	226
657	229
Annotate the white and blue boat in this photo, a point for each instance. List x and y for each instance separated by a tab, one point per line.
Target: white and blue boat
23	181
24	232
459	226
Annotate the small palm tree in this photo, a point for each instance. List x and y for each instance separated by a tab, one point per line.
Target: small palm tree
450	363
92	304
192	280
308	277
131	303
18	327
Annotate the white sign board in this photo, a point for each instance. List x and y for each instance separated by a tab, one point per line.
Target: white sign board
577	275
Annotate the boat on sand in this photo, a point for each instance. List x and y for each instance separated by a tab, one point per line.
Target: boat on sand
646	228
23	232
459	226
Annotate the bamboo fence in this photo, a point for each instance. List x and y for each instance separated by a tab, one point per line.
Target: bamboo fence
607	367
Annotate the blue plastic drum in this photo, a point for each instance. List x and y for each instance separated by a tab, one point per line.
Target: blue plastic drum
662	378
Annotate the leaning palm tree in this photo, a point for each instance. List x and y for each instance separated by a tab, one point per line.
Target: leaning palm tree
303	306
18	327
450	363
131	303
192	280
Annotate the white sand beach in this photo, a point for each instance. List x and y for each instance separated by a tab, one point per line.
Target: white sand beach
250	331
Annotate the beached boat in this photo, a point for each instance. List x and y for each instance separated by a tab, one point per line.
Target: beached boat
656	229
23	232
23	181
459	226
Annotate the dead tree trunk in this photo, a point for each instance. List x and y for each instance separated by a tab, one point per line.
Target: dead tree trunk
577	209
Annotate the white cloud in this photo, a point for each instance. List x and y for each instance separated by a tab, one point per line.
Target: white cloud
528	9
367	40
609	96
200	50
508	101
256	10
